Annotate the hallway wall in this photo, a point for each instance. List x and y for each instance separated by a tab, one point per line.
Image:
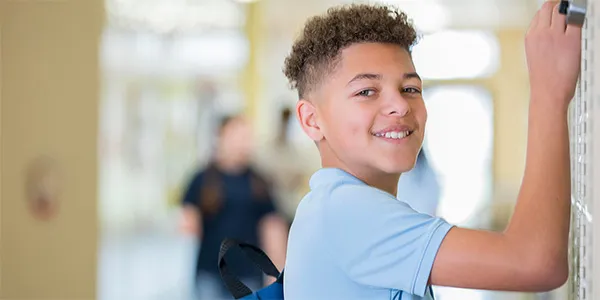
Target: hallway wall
49	98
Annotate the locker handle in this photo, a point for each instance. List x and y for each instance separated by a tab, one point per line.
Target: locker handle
575	10
43	187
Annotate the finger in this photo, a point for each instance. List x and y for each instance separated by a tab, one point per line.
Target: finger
574	31
545	14
534	21
559	21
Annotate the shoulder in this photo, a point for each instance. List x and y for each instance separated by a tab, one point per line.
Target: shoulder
207	173
351	197
258	171
259	183
340	191
197	176
351	205
259	177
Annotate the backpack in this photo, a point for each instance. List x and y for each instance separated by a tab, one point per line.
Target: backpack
236	287
239	290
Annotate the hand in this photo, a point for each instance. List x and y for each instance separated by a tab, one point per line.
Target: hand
553	56
190	221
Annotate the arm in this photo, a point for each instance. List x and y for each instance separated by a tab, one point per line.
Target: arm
272	228
191	217
531	254
191	221
273	232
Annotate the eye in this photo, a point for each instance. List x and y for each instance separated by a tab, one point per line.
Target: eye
411	90
366	93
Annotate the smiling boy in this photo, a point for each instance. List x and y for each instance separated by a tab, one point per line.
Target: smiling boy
360	101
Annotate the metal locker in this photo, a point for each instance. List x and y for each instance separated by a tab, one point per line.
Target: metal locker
585	146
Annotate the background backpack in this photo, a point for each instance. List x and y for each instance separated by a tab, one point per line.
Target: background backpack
236	287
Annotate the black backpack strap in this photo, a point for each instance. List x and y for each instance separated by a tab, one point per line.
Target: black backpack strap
235	286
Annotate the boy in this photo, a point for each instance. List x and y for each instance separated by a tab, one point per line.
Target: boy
360	101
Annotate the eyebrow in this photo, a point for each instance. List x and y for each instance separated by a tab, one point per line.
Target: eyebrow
412	75
379	76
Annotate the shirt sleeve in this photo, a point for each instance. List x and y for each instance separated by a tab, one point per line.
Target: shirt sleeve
263	200
382	242
191	195
264	205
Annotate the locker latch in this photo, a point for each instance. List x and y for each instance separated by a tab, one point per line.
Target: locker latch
575	11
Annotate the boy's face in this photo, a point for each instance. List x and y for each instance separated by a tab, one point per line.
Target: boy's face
368	114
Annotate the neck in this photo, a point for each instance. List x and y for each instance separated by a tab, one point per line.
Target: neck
384	181
229	166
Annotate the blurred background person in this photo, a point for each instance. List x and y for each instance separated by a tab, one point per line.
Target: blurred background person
229	199
286	165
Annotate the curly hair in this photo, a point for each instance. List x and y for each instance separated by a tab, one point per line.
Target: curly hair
317	50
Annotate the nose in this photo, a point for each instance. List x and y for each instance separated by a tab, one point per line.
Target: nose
397	105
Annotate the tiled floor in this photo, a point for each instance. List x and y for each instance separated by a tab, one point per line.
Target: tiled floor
148	266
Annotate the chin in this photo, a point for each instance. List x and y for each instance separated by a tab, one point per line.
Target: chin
397	167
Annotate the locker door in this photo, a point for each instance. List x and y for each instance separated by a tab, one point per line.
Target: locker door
594	99
49	98
585	163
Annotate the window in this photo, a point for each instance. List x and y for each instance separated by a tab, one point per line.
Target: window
457	55
459	142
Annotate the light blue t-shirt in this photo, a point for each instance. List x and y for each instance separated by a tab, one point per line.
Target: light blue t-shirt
352	241
420	188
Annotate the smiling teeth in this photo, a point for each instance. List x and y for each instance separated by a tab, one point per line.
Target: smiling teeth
394	134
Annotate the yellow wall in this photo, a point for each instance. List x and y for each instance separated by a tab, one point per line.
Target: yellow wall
251	75
510	89
49	98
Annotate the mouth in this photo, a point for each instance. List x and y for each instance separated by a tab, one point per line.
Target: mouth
394	133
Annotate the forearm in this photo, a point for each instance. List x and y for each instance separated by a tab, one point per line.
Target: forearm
191	221
531	255
273	235
540	223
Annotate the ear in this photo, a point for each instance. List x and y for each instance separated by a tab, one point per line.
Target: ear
307	115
